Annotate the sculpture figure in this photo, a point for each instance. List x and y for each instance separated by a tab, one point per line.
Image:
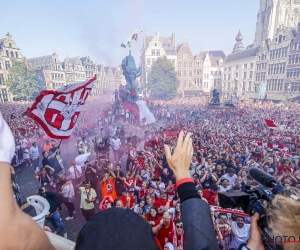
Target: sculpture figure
216	99
132	36
131	72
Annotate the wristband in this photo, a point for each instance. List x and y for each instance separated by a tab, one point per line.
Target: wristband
184	180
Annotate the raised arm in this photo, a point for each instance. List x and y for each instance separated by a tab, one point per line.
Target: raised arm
196	216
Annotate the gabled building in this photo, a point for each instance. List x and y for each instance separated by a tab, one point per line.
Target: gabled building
185	66
8	50
154	47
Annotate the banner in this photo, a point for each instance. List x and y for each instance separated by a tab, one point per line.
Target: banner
58	110
263	88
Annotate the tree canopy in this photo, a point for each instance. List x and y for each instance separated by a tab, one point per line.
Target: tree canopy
162	79
23	81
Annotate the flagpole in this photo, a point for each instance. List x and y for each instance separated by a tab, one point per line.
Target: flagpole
60	143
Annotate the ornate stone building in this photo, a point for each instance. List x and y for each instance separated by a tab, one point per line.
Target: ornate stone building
76	69
274	14
292	84
8	50
239	68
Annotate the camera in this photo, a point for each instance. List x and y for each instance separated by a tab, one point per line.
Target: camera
250	200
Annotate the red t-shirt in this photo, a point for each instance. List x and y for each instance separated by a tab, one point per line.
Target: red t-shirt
209	196
159	203
123	199
280	168
163	233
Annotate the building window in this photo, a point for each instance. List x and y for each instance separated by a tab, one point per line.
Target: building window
251	65
179	64
191	64
4	95
245	66
7	64
237	67
184	64
173	61
229	68
245	75
184	73
1	79
148	61
190	73
153	52
0	65
179	73
236	74
7	53
158	52
250	86
11	54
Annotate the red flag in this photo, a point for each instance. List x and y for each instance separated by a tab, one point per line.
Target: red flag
58	110
271	124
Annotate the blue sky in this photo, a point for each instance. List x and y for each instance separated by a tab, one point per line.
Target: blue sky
98	27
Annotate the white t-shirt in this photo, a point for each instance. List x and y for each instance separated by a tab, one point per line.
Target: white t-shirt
72	172
116	143
231	179
80	159
222	189
242	235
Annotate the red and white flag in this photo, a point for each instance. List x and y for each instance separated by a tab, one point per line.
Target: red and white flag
58	110
272	125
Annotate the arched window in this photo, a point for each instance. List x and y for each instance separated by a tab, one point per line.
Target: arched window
12	54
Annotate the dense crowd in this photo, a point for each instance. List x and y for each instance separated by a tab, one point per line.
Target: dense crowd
227	144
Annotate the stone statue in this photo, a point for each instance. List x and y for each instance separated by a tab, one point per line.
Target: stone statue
132	36
216	99
131	72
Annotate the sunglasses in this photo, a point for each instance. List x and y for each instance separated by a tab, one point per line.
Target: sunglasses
179	227
223	218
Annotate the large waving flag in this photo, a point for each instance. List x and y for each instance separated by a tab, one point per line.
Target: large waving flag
272	125
58	110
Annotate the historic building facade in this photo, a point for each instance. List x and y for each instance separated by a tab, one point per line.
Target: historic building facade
57	73
239	69
185	66
200	72
8	51
76	69
292	84
274	14
154	47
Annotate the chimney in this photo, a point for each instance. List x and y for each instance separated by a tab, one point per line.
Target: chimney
173	39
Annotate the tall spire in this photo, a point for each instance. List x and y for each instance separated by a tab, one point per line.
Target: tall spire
239	46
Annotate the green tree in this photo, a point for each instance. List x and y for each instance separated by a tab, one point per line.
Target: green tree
162	79
23	81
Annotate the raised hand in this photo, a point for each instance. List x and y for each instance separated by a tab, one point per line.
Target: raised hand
179	162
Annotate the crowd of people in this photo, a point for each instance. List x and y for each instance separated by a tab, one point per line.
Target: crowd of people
130	169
